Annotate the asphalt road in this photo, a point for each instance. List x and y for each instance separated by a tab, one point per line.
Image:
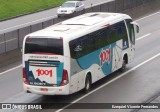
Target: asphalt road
37	17
138	85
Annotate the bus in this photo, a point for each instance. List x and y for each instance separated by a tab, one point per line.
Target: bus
73	54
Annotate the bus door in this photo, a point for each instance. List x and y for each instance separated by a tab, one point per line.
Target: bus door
131	36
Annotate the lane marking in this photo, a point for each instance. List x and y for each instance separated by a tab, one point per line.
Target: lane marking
150	59
10	69
147	16
8	40
43	19
143	36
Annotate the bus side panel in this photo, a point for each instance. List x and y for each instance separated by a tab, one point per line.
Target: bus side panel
99	63
74	75
101	57
117	56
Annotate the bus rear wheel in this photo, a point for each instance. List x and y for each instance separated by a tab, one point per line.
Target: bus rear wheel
87	84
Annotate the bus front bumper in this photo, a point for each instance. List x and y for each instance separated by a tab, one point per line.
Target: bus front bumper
60	90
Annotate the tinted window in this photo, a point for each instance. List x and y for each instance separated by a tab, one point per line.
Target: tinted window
118	31
81	46
97	40
101	38
44	45
88	43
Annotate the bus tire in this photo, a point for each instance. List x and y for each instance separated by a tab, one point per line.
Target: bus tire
87	84
124	63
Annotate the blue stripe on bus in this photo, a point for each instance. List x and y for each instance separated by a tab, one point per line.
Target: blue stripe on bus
94	58
60	73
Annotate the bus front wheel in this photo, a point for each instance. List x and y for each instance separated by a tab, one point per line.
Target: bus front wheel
124	63
87	84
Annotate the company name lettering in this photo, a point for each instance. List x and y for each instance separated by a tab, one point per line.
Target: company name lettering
43	57
44	72
105	56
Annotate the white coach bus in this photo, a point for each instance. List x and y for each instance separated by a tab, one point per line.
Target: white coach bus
71	55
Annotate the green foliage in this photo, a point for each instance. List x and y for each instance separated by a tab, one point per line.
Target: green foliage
12	8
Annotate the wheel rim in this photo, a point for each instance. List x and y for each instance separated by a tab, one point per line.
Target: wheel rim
87	85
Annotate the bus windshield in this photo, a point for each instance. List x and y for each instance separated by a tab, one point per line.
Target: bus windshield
44	46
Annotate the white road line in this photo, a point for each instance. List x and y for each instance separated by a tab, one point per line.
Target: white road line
43	19
10	70
143	36
8	40
150	59
147	16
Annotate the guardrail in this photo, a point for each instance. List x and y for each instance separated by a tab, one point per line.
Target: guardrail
12	38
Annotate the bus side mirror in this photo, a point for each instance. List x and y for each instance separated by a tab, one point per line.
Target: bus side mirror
136	25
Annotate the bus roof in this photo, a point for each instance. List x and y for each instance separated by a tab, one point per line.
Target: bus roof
80	25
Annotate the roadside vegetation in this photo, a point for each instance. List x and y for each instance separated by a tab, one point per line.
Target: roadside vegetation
13	8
